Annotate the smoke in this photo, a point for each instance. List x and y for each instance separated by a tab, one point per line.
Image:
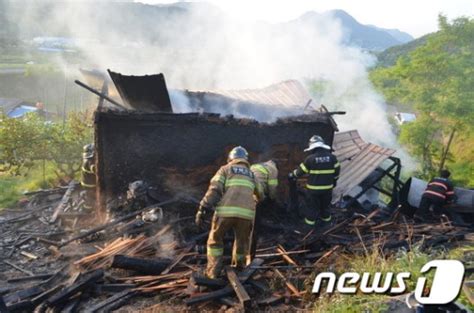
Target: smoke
198	47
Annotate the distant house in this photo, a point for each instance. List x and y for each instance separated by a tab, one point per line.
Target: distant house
403	118
15	108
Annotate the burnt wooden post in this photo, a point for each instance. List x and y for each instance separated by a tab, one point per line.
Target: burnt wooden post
145	266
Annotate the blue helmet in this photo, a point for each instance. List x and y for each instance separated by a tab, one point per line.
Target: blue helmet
238	153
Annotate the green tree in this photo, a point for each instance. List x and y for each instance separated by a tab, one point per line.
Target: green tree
26	141
437	79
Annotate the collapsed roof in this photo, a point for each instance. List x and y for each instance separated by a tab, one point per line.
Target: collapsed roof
358	159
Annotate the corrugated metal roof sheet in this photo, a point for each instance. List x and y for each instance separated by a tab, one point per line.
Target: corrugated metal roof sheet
287	93
146	93
358	160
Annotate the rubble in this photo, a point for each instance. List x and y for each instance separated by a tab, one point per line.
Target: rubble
122	269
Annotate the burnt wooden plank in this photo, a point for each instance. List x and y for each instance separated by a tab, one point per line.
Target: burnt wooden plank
239	289
45	295
112	301
226	291
29	278
23	294
23	306
64	201
84	282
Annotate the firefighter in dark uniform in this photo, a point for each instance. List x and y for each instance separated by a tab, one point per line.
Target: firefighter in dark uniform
88	176
438	193
232	193
322	168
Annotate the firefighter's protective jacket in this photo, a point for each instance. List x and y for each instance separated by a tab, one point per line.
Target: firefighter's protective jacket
232	190
440	189
323	169
266	176
88	173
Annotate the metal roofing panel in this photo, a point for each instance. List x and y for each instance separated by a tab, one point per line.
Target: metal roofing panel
144	93
358	160
287	93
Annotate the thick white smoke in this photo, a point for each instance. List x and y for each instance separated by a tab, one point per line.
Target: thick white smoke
198	47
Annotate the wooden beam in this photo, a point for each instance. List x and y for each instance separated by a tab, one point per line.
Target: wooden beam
145	266
226	291
64	201
239	289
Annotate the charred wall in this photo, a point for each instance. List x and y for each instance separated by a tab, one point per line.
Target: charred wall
181	152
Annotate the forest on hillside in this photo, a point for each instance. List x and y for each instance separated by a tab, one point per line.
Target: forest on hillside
436	81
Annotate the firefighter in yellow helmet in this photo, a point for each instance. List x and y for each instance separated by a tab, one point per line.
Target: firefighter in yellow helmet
231	193
88	176
266	177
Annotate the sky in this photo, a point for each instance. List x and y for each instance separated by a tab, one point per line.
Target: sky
417	17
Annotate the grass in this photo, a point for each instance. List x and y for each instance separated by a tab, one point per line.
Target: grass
375	261
12	187
12	66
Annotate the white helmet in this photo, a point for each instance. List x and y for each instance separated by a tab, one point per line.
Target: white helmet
316	142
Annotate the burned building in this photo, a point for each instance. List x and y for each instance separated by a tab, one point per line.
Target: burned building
179	152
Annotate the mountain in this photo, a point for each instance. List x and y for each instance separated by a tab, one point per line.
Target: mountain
390	56
396	33
140	22
368	37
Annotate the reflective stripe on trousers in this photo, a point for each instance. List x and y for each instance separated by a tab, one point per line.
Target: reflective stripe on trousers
234	211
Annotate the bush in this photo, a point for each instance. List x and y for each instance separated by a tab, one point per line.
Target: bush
29	140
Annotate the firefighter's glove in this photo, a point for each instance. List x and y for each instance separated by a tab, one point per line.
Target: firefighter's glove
200	216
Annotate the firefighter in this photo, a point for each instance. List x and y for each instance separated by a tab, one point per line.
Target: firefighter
266	177
322	168
232	193
438	193
88	176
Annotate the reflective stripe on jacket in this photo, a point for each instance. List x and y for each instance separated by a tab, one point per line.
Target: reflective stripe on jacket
266	176
231	191
88	173
440	188
322	168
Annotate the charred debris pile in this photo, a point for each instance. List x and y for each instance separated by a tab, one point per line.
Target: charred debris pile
57	256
